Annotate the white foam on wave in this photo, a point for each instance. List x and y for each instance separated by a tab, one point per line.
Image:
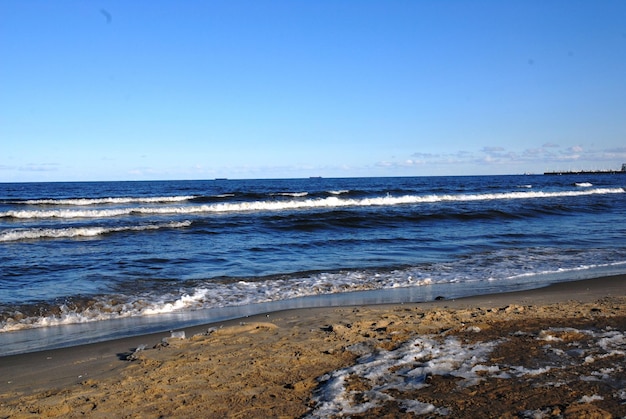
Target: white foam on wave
216	294
63	213
292	194
330	202
72	232
254	292
578	268
583	184
108	200
213	295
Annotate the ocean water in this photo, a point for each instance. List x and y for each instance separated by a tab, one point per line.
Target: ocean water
87	261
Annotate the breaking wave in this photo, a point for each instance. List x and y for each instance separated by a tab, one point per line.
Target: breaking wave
72	232
239	292
295	204
102	201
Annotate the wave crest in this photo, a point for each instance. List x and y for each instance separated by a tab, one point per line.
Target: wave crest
329	202
72	232
108	200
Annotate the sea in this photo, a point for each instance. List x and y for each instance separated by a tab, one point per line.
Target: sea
84	262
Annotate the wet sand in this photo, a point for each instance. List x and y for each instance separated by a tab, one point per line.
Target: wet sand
270	365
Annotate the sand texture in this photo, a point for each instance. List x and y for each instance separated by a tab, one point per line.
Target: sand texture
558	352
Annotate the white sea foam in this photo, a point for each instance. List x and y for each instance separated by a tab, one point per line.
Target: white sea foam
548	336
578	268
590	399
71	232
583	184
330	202
215	294
108	200
403	369
292	194
212	295
407	368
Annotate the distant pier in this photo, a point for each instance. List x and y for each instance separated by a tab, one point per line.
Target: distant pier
590	172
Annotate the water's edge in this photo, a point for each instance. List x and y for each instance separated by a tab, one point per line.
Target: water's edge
64	336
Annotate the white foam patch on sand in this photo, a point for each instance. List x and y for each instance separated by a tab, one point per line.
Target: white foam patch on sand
381	373
406	368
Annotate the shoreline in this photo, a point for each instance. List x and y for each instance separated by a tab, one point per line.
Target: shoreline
60	336
25	377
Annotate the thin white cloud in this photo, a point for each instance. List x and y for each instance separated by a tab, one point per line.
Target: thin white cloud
549	155
44	167
419	155
492	149
614	153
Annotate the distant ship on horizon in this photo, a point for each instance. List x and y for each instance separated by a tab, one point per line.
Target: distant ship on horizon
590	172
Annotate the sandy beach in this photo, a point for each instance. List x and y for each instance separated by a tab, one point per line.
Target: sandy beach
558	351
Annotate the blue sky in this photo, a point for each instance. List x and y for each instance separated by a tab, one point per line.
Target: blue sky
132	90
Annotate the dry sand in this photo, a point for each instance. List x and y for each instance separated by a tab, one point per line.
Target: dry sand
269	365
